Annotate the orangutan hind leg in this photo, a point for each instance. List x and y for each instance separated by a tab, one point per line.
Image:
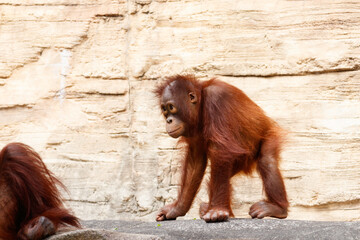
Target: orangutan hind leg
276	204
265	209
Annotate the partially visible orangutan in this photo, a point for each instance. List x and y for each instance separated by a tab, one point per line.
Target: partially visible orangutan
219	122
30	203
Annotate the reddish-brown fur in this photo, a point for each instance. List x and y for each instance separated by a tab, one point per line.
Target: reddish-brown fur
236	136
28	191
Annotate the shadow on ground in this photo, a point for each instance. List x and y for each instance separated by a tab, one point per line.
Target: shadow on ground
198	229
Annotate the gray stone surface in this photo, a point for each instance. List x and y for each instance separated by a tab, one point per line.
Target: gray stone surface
100	234
233	229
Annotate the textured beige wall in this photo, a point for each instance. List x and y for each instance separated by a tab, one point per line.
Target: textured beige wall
76	79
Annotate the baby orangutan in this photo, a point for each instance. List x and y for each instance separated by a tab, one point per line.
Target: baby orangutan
219	122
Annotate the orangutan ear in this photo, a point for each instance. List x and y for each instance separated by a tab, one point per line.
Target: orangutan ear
193	98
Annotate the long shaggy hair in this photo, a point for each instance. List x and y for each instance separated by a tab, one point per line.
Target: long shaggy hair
33	189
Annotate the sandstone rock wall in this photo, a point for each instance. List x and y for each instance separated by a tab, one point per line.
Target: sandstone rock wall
76	79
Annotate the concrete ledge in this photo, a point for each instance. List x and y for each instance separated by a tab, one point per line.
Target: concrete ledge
100	234
198	229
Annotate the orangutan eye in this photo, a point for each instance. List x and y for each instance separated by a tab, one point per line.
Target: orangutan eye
172	108
163	108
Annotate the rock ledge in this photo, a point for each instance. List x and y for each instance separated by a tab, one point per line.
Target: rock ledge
198	229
